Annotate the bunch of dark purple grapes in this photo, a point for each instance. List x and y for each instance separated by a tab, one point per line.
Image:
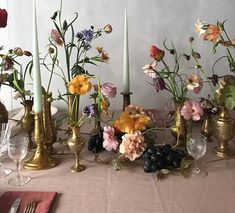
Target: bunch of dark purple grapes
162	157
95	143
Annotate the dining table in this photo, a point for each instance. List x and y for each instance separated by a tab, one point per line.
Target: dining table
102	189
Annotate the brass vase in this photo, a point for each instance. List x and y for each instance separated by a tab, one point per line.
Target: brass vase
3	113
48	123
223	129
27	121
179	129
206	129
76	143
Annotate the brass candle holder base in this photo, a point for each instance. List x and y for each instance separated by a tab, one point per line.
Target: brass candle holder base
126	99
40	159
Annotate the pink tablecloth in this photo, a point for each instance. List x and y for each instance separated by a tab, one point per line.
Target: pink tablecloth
100	189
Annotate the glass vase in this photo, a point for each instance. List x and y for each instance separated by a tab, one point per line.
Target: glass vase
3	113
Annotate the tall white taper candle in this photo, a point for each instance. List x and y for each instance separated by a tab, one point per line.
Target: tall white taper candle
126	74
37	87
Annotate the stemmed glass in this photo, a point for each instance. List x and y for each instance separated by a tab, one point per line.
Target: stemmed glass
5	133
17	150
196	147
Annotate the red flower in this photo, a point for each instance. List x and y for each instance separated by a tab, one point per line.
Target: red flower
3	18
156	53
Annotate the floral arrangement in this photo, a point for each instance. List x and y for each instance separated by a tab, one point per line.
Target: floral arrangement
173	78
101	97
218	36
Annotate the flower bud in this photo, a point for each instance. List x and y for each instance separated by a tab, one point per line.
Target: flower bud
65	25
51	50
54	15
3	18
108	90
27	53
18	51
191	39
198	66
172	51
156	53
108	28
196	55
187	57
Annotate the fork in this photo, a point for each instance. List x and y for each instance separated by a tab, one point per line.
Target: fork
30	207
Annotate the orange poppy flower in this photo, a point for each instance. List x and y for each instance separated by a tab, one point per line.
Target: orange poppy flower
127	123
80	85
212	33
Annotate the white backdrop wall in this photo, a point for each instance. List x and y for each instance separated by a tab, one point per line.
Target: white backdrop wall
149	22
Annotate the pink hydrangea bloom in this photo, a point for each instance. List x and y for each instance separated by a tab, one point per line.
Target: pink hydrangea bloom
110	141
108	90
132	145
191	110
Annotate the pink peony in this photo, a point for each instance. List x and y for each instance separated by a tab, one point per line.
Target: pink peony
132	145
191	110
108	90
110	141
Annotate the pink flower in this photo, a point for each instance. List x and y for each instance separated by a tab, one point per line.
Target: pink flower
56	37
110	141
191	110
108	90
194	83
132	145
149	69
156	53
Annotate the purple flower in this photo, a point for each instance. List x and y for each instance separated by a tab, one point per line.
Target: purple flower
87	35
159	84
89	111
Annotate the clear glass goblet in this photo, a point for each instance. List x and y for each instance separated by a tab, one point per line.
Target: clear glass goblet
196	147
5	133
17	150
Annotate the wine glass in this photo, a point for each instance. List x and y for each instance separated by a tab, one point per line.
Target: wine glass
196	147
17	150
5	133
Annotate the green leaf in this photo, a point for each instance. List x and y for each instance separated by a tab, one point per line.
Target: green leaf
227	97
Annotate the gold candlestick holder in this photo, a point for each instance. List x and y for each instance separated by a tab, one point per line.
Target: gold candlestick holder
126	99
40	159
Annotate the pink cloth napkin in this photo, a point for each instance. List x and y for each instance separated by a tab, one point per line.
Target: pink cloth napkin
43	200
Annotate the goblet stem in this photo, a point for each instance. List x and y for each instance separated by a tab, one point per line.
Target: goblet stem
196	170
18	169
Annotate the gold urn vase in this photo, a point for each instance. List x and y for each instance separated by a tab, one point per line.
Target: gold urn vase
76	144
48	123
223	130
206	129
3	113
179	129
27	121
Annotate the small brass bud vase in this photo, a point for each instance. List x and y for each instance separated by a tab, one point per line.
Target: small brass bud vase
27	121
3	113
179	129
76	143
48	123
206	129
223	129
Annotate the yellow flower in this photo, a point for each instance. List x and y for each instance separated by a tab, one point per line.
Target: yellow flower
129	123
80	85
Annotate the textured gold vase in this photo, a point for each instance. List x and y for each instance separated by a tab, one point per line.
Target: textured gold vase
76	143
206	129
3	113
179	130
223	130
27	121
48	123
